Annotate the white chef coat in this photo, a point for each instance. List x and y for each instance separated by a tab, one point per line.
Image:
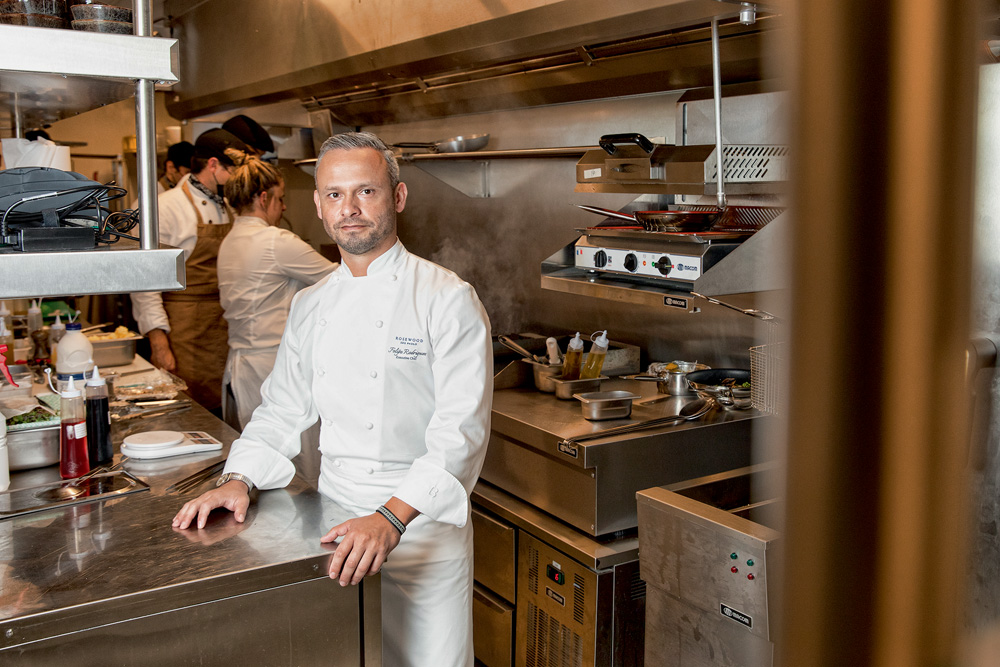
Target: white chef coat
398	366
261	268
179	228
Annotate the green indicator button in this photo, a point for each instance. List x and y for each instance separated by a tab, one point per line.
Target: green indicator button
750	562
733	555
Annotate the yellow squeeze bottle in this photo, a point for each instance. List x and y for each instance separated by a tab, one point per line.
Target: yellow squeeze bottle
595	359
571	362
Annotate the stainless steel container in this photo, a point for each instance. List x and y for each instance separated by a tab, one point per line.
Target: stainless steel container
33	448
115	352
544	375
566	388
598	405
674	381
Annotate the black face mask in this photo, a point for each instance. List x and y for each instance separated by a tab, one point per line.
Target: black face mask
221	190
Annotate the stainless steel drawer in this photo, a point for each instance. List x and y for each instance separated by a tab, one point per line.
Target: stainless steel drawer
493	628
495	554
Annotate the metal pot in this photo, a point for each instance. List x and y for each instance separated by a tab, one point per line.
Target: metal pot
461	144
673	382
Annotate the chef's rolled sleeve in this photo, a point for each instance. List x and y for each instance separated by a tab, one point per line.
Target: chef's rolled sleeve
440	481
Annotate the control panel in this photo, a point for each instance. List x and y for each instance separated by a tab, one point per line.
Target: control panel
672	266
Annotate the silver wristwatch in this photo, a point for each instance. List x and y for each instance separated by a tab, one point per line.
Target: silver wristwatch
229	476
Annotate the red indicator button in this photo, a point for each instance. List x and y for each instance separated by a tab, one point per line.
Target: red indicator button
555	574
751	577
734	569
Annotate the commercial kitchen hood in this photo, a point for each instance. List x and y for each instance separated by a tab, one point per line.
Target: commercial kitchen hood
452	57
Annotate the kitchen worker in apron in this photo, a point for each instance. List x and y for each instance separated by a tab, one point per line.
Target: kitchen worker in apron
393	355
186	329
261	267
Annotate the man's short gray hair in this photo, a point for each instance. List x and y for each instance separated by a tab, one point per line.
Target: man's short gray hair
347	141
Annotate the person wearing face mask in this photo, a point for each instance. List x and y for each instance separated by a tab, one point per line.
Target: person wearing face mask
261	267
186	329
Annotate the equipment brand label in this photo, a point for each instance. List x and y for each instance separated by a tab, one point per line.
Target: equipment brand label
568	449
675	302
555	596
737	616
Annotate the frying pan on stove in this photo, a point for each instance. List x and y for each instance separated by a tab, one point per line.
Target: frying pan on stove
663	221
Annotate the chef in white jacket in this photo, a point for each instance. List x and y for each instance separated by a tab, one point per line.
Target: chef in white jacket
261	267
393	354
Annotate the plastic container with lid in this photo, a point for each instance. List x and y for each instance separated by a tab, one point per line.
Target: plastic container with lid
34	317
574	356
99	449
595	358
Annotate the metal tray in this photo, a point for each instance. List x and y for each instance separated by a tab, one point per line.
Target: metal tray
103	486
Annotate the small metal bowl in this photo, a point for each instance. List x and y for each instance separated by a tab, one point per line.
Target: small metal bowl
598	405
723	385
543	374
566	388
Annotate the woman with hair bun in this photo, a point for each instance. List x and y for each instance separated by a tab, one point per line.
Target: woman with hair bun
261	267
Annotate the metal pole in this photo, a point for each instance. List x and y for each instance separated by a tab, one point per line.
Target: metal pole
717	95
145	133
18	129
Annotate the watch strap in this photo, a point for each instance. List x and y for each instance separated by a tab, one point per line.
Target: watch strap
230	476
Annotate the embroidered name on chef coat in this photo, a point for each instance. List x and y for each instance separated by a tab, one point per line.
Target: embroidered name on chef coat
406	348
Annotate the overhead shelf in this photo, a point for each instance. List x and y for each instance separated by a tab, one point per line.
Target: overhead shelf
49	74
117	269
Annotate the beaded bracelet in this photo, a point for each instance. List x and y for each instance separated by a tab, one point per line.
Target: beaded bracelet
392	518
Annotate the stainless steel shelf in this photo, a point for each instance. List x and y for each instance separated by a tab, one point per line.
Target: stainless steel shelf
49	74
116	269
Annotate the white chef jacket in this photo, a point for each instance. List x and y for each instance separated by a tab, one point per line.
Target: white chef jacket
179	228
260	268
398	365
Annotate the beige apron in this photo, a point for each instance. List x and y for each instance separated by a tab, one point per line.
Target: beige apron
199	335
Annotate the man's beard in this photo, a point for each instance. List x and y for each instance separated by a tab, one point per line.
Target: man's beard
360	244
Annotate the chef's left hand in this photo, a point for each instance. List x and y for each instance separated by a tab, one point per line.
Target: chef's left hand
366	544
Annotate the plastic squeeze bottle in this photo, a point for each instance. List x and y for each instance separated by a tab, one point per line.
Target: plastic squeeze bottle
552	346
34	317
7	341
5	316
98	421
56	332
73	460
595	358
574	355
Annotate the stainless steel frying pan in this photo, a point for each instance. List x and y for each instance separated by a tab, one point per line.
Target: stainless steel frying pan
461	144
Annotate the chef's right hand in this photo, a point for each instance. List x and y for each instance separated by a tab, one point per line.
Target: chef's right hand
162	355
232	495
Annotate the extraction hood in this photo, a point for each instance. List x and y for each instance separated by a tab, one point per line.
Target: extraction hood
380	62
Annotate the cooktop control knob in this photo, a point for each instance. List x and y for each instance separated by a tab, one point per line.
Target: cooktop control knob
663	265
631	262
600	259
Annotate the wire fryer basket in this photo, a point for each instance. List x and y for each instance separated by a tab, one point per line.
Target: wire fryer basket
766	373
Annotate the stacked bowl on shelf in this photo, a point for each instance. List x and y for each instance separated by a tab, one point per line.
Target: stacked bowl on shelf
78	14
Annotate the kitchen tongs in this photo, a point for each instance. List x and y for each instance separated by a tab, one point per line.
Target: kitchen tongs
191	481
641	426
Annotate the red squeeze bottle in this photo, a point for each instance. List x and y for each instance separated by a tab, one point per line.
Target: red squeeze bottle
73	458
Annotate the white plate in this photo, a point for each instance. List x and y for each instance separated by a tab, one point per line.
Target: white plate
187	447
153	440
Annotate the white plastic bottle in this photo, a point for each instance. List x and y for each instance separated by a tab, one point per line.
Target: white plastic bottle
5	316
34	318
574	356
75	356
595	358
56	332
7	340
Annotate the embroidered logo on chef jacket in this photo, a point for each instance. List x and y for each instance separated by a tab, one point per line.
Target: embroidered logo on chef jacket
406	348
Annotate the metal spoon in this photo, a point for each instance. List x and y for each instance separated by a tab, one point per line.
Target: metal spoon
74	488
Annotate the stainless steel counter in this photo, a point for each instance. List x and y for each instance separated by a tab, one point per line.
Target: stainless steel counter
79	577
592	485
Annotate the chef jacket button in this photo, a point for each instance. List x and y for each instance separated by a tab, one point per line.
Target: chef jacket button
320	371
374	374
369	425
337	463
393	278
322	323
370	470
433	491
378	324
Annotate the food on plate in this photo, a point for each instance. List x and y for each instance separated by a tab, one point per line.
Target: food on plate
120	332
